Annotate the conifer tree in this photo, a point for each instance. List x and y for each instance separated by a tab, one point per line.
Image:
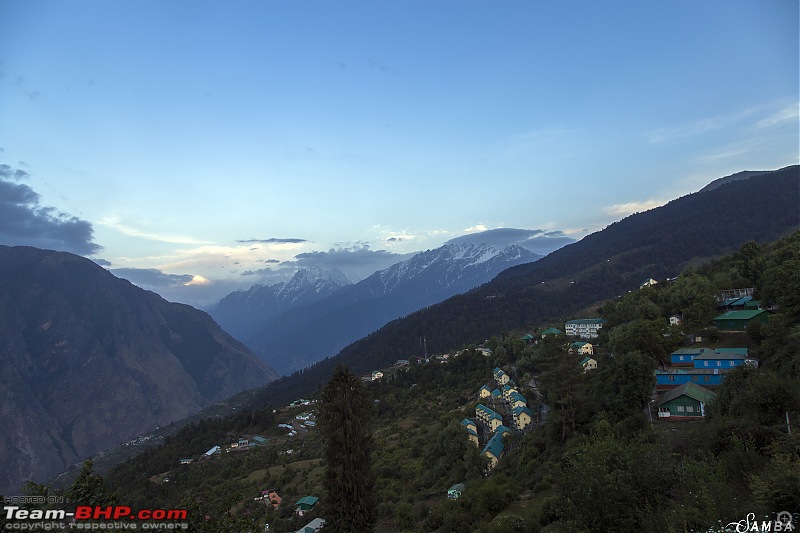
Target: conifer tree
344	421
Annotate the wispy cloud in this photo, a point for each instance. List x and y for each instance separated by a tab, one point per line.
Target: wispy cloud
273	240
126	229
788	114
623	210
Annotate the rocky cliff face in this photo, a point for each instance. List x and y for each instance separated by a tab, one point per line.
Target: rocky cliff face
89	360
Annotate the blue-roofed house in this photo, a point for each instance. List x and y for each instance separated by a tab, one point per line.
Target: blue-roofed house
522	417
488	417
500	376
472	430
484	392
496	394
581	347
685	356
588	364
517	400
456	491
507	390
494	449
674	377
503	430
719	359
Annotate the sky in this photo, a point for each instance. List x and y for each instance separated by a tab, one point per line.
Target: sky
197	147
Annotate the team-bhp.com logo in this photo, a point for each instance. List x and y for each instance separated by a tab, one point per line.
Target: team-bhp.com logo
783	522
92	517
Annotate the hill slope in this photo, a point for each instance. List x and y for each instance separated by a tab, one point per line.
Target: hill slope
656	243
89	360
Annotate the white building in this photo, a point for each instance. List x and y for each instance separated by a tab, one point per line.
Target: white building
585	328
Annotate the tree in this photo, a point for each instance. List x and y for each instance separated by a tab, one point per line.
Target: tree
89	488
344	422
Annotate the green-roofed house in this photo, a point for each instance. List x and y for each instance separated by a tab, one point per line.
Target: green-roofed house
305	504
687	402
527	338
456	491
551	331
739	320
583	348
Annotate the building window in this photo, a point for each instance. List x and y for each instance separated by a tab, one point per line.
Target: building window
689	409
731	363
695	378
672	378
680	408
681	358
719	363
706	378
705	363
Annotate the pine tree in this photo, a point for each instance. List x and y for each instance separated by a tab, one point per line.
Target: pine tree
89	488
344	421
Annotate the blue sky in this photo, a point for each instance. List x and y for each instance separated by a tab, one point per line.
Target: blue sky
168	132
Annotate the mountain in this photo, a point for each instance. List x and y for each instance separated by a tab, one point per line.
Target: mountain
89	360
537	241
242	312
658	243
311	332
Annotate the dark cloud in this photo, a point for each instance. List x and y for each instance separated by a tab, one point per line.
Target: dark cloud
23	222
151	278
357	260
102	262
274	261
12	173
273	240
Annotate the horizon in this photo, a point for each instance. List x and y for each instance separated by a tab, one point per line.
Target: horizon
214	147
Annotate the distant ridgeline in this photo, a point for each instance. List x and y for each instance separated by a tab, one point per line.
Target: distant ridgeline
655	244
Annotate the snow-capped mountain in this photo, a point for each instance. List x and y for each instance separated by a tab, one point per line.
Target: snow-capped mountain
354	311
242	311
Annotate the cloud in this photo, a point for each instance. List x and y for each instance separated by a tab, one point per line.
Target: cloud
152	278
476	228
790	114
623	210
357	260
24	222
102	262
114	223
198	280
273	240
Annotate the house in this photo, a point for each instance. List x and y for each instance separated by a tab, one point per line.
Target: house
739	320
376	374
674	377
494	449
243	442
507	390
496	394
675	320
305	504
312	527
649	282
186	461
588	364
485	392
472	430
726	358
585	328
502	430
488	417
551	331
485	351
686	402
685	356
456	491
527	338
212	451
402	362
467	423
522	417
517	400
500	376
270	497
583	348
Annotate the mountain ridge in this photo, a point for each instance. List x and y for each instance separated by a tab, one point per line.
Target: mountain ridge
90	360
